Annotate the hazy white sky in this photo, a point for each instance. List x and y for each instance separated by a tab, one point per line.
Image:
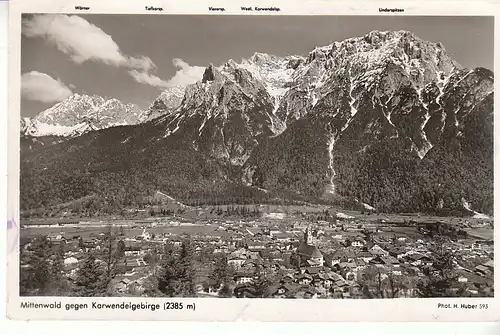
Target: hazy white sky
133	57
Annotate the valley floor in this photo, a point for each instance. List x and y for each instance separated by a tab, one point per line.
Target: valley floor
256	252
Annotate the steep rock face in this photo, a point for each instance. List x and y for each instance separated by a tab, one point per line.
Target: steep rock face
427	152
224	116
386	119
389	92
208	75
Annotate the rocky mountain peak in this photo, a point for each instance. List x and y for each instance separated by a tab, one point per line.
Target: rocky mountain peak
167	102
386	118
208	75
380	48
79	114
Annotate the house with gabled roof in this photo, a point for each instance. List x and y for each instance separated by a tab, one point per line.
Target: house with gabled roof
490	265
483	270
310	293
285	290
385	260
397	252
365	256
376	250
243	278
418	259
304	279
236	261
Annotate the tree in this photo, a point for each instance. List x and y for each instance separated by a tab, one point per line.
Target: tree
441	275
372	283
120	249
261	282
35	271
113	251
188	272
221	275
394	285
225	291
91	280
168	279
60	284
220	271
177	275
151	258
80	242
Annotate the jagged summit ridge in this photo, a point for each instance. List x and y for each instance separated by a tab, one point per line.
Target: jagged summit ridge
384	86
386	118
333	81
81	113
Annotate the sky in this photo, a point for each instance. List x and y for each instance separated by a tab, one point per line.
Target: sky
134	57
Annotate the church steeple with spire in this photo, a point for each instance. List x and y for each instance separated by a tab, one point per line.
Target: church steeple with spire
308	252
308	238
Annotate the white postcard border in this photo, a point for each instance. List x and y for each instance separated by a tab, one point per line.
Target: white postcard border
230	309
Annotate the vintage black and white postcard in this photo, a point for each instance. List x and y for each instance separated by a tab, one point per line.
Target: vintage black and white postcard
271	161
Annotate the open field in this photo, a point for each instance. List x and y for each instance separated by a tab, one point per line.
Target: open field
188	221
481	233
192	214
130	230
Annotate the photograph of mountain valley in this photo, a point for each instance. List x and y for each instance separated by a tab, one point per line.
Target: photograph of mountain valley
256	156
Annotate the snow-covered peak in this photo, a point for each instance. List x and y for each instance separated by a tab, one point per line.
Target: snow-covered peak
168	101
273	71
172	96
81	113
420	60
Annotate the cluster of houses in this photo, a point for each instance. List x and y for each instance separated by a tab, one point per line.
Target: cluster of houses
333	261
323	260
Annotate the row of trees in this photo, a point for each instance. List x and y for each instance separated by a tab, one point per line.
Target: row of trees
239	211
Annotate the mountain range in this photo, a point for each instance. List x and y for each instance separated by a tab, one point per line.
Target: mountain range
385	119
81	113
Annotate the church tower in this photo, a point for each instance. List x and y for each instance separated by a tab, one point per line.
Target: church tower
308	238
308	252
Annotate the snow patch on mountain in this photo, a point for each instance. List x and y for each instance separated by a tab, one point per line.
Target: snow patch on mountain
330	144
79	114
365	206
368	207
341	215
352	100
167	102
475	215
37	128
273	70
164	196
172	96
481	216
425	148
441	83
